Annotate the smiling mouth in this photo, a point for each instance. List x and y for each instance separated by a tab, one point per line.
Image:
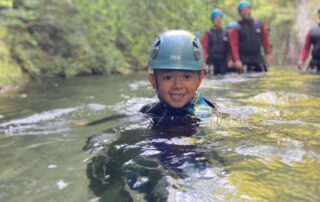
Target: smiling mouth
177	97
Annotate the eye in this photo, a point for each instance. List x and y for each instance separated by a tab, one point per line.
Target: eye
187	76
167	77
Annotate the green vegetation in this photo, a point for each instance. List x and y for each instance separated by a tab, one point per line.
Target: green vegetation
9	71
77	37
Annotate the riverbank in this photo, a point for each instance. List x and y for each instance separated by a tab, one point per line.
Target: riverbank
11	75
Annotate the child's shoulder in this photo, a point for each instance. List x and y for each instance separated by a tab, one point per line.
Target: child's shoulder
152	108
203	108
200	100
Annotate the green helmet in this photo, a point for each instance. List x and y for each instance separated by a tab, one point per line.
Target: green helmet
176	50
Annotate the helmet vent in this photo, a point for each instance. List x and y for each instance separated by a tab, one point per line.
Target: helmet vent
196	53
195	44
154	53
196	50
157	42
155	50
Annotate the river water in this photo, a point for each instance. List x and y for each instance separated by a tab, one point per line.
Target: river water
262	145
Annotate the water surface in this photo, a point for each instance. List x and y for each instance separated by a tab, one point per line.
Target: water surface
263	144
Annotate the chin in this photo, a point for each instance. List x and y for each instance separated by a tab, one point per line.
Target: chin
176	105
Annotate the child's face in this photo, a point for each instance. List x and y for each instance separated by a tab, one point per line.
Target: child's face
176	88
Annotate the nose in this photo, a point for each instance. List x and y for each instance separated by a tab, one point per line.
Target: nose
177	82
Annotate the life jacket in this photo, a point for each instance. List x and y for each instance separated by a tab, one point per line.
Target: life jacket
217	44
249	37
315	41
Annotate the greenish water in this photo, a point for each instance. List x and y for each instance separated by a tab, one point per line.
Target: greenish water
263	145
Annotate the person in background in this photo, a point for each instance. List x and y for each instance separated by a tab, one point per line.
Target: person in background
312	39
246	40
230	62
215	45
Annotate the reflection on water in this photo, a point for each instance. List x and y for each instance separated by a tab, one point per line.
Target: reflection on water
154	163
262	145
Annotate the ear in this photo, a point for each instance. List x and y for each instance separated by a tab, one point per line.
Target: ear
201	76
152	80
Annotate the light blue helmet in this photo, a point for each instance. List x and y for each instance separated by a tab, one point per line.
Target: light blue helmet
215	13
197	34
176	50
232	25
243	4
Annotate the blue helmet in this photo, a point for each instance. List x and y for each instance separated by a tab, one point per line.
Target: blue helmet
232	24
176	50
197	34
215	13
243	4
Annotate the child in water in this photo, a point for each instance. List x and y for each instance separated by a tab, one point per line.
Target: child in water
168	150
175	72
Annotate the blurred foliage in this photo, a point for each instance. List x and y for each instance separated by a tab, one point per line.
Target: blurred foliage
6	3
9	70
76	37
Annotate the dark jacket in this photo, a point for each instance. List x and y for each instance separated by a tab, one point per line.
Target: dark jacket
312	38
247	39
215	44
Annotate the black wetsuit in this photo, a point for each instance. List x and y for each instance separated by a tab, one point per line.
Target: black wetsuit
198	108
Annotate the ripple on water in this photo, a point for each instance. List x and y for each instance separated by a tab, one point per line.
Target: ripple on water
62	184
97	143
138	84
131	106
221	83
245	112
201	188
267	152
96	106
284	98
47	122
44	123
40	117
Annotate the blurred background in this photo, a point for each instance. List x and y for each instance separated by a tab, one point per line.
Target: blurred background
50	38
